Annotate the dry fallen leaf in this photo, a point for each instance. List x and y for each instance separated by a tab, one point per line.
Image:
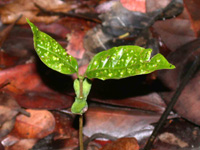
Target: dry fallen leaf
153	5
30	90
170	138
13	10
117	122
75	46
122	144
23	144
188	103
178	134
6	60
180	30
8	111
192	6
134	5
40	124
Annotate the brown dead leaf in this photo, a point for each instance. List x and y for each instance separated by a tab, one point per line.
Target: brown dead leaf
77	28
178	31
153	5
40	124
8	111
6	127
149	102
26	73
75	46
30	91
23	144
193	7
122	144
4	34
178	134
64	126
9	140
170	138
117	122
126	94
49	142
6	60
188	102
11	11
134	5
1	147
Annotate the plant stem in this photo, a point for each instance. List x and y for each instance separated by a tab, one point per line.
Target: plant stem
173	101
81	116
81	87
81	132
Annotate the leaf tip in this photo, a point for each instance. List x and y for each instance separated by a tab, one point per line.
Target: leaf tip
33	27
172	66
28	21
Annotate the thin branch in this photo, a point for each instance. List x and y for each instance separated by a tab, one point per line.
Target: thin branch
80	16
173	101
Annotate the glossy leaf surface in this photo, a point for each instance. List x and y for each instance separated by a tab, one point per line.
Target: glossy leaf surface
125	61
52	53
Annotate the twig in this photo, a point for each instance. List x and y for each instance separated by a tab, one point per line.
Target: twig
173	101
4	34
80	16
4	84
24	112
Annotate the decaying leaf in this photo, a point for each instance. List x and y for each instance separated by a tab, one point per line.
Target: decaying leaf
6	60
9	140
116	122
13	10
30	90
75	45
178	134
170	138
8	111
134	5
150	102
4	34
178	31
23	144
7	127
153	5
122	144
192	7
188	102
123	27
40	124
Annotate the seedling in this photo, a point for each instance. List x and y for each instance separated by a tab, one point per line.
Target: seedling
115	63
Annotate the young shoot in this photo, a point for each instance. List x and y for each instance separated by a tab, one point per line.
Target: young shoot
115	63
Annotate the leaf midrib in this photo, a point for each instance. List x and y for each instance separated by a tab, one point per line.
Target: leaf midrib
121	67
113	68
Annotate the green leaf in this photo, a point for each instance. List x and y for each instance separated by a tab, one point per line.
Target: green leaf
86	87
125	61
79	106
77	87
52	53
